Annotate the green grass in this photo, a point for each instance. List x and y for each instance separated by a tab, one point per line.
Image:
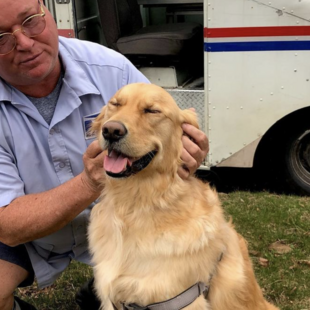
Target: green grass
59	296
262	218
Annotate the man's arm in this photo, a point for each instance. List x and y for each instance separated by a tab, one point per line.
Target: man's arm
34	216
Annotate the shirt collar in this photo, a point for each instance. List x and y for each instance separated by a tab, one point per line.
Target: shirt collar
75	76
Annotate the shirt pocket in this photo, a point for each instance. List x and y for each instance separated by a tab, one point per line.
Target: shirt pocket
90	140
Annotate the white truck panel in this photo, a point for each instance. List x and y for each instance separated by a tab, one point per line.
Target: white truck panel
246	13
248	91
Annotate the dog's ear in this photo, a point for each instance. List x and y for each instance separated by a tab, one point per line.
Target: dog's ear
189	116
97	122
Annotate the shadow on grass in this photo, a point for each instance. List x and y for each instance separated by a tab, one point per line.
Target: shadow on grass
227	179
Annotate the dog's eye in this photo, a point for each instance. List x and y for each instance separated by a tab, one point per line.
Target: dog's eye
115	104
151	111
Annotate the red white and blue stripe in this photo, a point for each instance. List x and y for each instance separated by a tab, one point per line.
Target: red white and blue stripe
242	39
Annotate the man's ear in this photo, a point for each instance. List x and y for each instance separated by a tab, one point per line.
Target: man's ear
97	122
190	117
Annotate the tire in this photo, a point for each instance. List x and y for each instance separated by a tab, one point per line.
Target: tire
297	161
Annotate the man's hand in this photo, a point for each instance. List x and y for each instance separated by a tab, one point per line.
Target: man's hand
195	149
93	174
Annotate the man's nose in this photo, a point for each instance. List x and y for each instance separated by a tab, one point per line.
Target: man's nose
22	41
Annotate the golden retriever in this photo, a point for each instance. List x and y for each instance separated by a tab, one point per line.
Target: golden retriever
153	235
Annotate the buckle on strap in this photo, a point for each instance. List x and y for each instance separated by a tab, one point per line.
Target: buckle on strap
202	288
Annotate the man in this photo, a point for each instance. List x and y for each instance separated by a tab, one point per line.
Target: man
50	90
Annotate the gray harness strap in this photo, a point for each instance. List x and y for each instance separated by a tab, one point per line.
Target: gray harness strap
176	303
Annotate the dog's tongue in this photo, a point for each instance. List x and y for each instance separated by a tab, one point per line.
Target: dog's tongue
115	162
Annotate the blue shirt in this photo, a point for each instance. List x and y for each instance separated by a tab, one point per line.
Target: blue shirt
36	157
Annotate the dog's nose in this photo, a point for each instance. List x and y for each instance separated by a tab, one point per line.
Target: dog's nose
113	131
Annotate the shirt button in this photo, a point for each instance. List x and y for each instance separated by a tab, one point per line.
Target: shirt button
61	165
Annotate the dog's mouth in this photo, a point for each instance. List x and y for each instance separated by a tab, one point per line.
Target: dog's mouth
119	165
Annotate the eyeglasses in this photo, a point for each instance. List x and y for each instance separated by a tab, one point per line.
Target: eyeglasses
31	27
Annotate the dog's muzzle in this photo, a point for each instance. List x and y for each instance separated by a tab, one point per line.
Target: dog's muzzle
117	164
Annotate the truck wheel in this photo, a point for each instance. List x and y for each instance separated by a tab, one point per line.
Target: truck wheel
297	161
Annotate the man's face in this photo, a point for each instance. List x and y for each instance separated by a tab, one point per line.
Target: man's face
33	59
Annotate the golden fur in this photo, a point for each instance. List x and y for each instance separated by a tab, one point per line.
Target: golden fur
153	235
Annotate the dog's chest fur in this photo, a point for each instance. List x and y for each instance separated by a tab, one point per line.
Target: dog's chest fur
147	251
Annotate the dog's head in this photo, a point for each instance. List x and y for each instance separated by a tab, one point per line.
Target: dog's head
141	130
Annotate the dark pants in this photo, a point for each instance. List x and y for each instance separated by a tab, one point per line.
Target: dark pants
85	298
19	256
